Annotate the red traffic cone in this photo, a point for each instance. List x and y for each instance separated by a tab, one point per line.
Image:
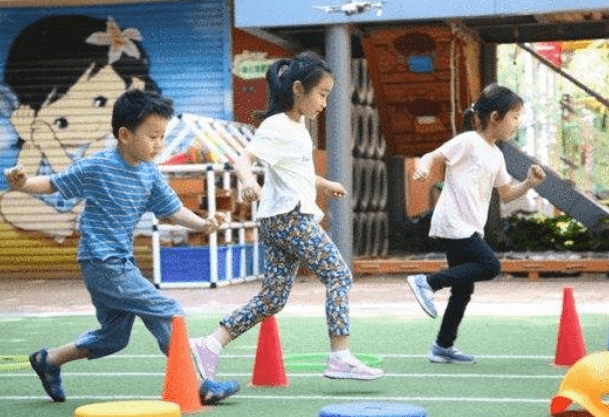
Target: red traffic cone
269	370
181	384
570	345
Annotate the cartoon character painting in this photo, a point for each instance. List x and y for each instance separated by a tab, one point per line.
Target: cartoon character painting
65	73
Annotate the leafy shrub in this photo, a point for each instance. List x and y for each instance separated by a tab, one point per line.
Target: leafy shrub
534	233
560	233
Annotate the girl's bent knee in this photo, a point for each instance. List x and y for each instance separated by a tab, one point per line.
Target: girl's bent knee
490	270
274	309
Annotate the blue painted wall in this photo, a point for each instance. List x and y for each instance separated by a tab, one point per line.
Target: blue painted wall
187	54
188	44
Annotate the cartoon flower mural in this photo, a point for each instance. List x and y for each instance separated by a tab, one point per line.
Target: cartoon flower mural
119	42
64	106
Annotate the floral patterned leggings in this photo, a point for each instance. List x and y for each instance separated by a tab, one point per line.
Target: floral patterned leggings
289	239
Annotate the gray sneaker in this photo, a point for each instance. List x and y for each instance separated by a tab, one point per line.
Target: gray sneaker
423	293
439	354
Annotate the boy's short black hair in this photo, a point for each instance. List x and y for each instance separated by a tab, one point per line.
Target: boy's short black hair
133	106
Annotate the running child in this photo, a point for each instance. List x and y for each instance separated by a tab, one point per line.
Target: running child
119	185
289	217
474	166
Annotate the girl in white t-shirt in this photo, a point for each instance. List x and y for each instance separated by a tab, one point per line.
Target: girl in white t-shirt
474	166
289	217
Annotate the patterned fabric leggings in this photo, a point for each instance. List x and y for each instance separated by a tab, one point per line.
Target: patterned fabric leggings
290	239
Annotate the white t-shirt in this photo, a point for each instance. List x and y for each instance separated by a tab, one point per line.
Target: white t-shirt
285	149
473	168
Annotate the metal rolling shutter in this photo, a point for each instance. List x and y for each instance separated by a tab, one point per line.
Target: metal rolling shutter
188	49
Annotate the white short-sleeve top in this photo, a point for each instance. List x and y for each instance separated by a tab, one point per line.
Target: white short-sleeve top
473	168
285	149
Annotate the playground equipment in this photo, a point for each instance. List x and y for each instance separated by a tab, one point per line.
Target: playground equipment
586	384
196	161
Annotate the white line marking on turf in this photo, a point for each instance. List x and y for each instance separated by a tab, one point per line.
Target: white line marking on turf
382	355
417	375
300	397
416	356
355	398
292	375
92	374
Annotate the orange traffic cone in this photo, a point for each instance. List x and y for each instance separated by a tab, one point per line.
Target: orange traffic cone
570	345
269	370
181	384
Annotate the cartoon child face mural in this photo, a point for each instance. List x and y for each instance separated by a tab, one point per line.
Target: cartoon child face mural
66	72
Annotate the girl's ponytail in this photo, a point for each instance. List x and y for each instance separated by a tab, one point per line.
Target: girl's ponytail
281	75
468	118
279	89
494	98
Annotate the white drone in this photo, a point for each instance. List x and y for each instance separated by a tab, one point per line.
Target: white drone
353	7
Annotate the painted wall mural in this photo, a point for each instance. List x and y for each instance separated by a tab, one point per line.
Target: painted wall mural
61	74
65	97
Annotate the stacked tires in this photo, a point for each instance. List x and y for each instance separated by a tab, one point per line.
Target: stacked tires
370	183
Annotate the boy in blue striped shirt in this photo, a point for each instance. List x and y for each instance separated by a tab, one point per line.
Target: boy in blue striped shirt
119	185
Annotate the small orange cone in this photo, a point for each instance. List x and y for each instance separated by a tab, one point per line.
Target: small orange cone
181	384
570	345
269	370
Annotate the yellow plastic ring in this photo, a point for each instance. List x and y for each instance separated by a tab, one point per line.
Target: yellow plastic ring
14	362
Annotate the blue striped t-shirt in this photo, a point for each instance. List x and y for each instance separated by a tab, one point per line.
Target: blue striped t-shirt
117	195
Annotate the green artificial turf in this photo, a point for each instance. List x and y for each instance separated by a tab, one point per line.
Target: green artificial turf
513	375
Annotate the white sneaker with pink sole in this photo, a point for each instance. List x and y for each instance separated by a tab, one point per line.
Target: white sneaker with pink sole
350	368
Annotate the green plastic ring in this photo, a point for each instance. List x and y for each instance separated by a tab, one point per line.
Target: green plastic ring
317	361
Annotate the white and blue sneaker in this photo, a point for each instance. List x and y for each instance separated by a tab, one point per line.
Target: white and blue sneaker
423	293
211	392
451	354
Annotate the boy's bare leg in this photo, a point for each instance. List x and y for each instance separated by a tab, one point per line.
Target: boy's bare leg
64	354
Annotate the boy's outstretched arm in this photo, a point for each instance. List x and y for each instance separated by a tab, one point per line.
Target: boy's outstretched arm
19	181
185	217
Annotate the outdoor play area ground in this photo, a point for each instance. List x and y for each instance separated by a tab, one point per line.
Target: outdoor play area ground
511	326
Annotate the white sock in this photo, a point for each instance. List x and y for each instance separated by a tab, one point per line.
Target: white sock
342	354
213	344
